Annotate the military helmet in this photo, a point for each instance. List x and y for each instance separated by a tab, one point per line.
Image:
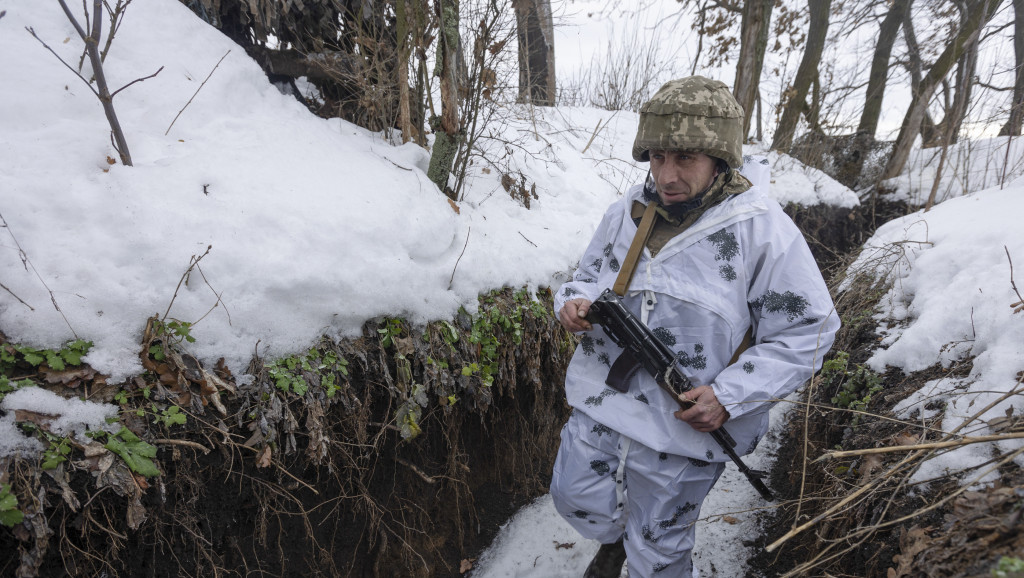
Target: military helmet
693	113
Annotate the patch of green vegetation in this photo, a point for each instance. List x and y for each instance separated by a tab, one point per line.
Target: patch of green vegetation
292	374
1009	567
57	359
853	387
9	512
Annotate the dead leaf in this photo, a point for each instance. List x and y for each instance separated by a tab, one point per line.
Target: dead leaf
466	565
730	520
564	545
263	460
454	207
40	419
911	544
906	438
111	161
70	377
868	465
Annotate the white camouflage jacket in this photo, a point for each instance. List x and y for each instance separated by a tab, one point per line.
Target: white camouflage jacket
743	263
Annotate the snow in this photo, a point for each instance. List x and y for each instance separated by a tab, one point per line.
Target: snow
316	226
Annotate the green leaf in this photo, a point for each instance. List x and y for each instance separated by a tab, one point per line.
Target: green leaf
33	358
54	360
135	452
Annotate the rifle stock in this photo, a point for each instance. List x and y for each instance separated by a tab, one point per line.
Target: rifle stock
641	348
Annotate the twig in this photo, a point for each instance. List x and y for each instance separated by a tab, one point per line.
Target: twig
1020	300
187	443
416	470
113	94
196	92
909	448
12	292
191	264
71	68
468	231
27	263
597	129
527	240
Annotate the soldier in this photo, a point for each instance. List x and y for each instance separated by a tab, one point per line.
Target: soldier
719	263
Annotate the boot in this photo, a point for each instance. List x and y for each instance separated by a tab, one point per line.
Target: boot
608	561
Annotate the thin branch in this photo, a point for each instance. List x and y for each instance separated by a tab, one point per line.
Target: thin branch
71	68
191	264
25	260
928	446
468	231
5	286
196	92
113	94
1020	302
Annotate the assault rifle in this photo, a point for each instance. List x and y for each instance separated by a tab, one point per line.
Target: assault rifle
642	348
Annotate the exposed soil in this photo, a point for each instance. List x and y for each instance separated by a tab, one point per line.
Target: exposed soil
309	485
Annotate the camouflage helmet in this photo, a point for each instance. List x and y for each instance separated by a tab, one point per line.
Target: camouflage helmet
693	113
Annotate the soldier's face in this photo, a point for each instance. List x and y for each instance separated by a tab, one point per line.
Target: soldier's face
681	175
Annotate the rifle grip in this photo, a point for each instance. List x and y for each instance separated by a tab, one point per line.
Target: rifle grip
622	371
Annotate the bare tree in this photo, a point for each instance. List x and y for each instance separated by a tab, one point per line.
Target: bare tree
806	75
754	27
879	75
979	12
535	30
1013	124
447	128
102	91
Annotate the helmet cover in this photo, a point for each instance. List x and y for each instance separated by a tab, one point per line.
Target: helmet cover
692	114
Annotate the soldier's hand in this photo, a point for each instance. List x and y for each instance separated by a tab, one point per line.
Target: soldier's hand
704	412
573	315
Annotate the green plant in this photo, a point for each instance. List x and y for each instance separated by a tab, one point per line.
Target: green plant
176	331
170	416
289	373
391	330
9	512
58	359
409	413
1009	568
135	452
853	387
56	452
8	385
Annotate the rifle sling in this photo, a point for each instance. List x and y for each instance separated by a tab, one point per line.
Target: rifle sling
643	233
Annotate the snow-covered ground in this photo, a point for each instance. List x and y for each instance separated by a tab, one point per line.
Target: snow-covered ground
314	226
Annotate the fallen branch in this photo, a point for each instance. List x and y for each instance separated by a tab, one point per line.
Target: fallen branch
909	448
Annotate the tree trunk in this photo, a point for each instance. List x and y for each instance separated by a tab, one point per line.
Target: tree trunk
806	74
754	27
535	30
402	70
916	68
447	128
879	75
1013	124
979	12
954	118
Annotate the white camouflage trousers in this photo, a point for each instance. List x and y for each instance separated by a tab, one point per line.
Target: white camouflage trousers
608	486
